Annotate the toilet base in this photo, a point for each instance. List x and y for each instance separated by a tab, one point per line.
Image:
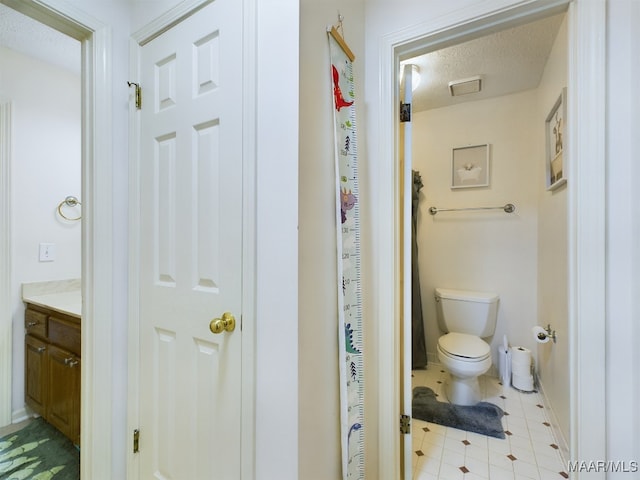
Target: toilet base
462	391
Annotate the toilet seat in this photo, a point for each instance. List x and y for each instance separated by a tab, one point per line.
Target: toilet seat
464	347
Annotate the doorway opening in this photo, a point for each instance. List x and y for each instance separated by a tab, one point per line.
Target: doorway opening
96	262
42	86
521	70
584	141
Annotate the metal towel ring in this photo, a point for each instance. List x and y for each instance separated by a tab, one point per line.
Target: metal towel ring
70	201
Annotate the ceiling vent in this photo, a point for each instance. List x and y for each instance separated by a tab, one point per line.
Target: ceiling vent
465	86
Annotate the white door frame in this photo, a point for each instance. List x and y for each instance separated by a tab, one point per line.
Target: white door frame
406	153
6	330
248	414
97	265
586	190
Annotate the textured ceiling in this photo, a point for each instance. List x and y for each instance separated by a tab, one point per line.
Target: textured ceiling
509	61
29	37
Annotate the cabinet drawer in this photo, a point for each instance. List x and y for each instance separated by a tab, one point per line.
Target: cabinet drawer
65	334
35	323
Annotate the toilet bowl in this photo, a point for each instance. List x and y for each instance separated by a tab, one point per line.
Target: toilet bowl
466	317
465	357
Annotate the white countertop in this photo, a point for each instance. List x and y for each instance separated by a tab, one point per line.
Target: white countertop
62	296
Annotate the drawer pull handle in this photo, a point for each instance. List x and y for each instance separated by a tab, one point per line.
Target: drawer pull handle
71	362
41	349
31	324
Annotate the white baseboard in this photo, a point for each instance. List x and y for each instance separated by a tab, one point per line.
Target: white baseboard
22	414
561	441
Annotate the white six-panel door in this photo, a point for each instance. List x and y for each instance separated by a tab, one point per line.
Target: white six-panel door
190	247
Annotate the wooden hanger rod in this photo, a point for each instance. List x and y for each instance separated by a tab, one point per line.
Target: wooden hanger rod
338	38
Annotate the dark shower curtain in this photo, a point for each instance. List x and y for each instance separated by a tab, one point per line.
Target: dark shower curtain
419	349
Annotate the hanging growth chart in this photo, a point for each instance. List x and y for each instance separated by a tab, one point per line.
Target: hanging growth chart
350	331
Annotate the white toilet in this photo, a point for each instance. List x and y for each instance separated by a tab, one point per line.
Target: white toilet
467	317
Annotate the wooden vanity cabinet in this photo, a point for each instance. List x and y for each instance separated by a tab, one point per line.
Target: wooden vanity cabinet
52	368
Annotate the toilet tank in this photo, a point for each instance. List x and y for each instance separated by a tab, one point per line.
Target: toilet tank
465	311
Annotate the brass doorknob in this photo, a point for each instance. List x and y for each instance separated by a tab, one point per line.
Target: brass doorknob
219	325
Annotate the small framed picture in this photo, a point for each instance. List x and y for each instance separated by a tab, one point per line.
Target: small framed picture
470	167
555	126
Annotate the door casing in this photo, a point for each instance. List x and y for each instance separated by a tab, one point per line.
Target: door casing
586	190
6	330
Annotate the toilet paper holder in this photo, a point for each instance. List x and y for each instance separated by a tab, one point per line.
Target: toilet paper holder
549	333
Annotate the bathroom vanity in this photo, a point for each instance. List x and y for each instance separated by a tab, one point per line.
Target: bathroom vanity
52	357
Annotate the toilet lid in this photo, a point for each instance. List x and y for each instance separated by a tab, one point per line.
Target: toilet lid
464	345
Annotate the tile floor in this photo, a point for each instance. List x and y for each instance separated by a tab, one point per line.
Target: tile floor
529	450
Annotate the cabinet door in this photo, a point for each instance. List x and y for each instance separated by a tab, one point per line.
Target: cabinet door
36	378
63	411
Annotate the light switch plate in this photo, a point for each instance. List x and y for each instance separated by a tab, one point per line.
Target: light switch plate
47	252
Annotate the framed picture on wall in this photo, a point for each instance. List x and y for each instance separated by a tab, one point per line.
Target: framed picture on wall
555	126
470	166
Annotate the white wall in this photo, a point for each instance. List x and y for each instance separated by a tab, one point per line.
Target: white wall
481	250
319	418
383	17
145	11
45	169
553	242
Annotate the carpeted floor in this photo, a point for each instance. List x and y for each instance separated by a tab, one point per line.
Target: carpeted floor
38	451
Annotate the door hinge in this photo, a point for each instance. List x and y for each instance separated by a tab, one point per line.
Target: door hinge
405	424
138	94
136	441
405	112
